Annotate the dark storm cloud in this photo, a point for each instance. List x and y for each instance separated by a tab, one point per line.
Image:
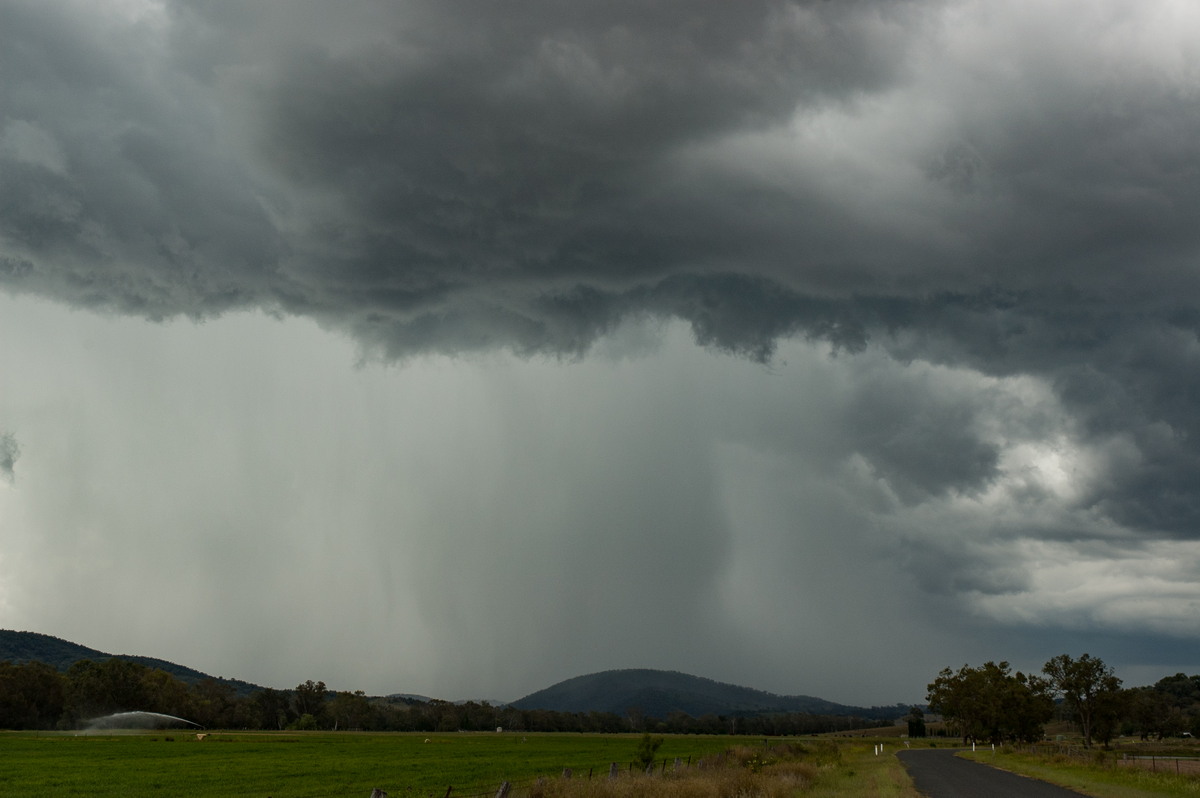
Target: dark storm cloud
480	177
506	178
115	191
439	178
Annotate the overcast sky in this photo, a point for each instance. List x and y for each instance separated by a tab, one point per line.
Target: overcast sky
459	348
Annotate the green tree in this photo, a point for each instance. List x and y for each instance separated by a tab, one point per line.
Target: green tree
647	747
991	703
31	696
916	722
272	708
310	698
1182	694
1089	690
215	705
350	710
165	693
99	688
305	722
1182	691
1148	711
1031	704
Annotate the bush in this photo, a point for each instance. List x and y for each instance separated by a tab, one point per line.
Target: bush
647	748
305	722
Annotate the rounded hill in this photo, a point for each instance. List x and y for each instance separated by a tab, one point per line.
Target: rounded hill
658	693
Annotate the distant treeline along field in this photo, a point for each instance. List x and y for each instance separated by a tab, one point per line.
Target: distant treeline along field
47	683
34	695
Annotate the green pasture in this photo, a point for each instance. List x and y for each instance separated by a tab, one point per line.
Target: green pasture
1099	774
316	765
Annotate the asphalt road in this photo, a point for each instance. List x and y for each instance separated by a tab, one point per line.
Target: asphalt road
938	773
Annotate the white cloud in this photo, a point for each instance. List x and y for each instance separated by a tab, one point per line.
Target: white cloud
1132	589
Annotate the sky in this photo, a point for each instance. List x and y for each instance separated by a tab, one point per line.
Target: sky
461	348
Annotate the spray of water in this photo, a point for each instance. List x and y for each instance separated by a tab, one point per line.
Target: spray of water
137	720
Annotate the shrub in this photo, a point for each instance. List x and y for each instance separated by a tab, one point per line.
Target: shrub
305	722
647	748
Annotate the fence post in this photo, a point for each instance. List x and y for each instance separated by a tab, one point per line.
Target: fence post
448	789
503	791
612	771
566	773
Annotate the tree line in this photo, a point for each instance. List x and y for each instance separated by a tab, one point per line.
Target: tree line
35	695
992	703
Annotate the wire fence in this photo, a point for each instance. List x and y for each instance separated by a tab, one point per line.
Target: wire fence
1180	766
1156	763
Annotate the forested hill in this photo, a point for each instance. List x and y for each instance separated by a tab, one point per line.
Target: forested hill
654	693
21	647
659	693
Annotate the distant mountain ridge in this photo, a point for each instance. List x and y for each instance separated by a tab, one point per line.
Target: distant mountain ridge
21	647
655	693
658	693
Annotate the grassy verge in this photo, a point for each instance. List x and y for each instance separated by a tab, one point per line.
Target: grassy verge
863	772
1099	777
820	768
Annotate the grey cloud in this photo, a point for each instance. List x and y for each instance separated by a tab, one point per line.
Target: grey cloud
948	567
922	443
446	180
116	192
470	155
9	452
532	162
1123	374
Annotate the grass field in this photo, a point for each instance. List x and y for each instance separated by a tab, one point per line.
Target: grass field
1102	776
298	765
